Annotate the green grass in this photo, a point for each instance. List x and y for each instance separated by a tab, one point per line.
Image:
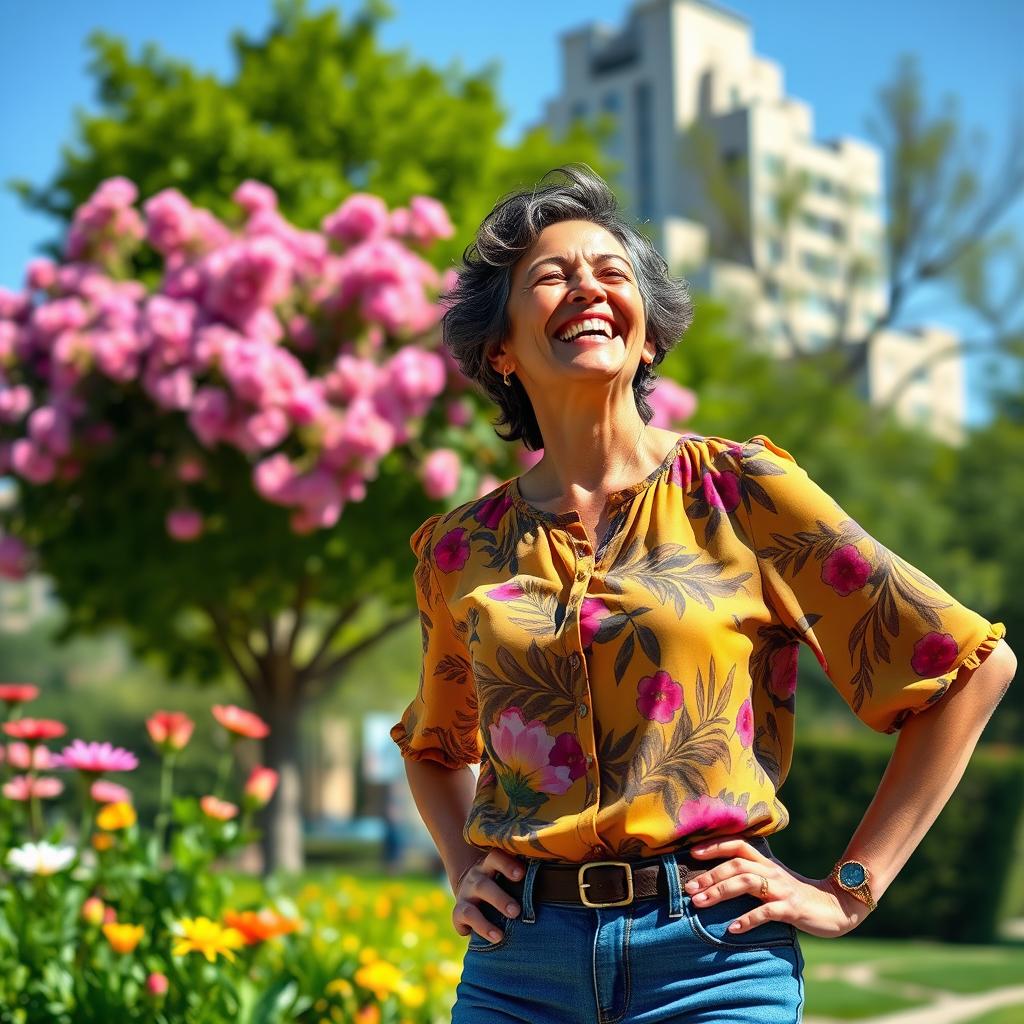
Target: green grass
1004	1015
959	969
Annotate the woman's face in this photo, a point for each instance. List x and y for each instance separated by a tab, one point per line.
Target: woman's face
574	268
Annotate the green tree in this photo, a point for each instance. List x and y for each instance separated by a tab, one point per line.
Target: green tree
317	110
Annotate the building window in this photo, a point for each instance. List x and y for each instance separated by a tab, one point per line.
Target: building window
776	253
824	266
772	163
644	150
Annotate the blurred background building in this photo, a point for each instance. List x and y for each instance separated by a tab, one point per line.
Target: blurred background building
712	153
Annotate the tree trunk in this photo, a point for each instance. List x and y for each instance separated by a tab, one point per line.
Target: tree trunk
281	820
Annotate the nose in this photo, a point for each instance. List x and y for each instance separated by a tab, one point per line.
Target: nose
587	285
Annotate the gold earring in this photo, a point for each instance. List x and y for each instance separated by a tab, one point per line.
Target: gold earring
508	383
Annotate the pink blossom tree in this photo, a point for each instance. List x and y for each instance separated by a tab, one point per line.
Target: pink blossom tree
193	447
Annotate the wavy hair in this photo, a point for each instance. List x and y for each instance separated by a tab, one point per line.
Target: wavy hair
476	316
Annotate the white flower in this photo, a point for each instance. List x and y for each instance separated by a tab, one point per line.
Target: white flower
40	858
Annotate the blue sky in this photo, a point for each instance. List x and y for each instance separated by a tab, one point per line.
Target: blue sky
835	57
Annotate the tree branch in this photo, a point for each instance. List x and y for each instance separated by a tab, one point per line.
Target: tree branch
251	679
341	661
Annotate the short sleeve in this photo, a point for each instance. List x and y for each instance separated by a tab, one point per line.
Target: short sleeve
890	639
441	723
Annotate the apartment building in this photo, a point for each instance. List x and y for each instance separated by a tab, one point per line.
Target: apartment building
742	199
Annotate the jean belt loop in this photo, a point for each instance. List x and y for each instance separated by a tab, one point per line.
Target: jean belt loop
526	913
675	890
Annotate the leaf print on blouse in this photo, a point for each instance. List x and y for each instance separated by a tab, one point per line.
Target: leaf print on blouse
670	573
672	764
893	582
533	606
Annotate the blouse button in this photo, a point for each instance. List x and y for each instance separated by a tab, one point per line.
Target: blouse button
574	661
590	758
581	710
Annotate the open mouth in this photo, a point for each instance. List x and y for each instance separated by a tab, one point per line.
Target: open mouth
587	332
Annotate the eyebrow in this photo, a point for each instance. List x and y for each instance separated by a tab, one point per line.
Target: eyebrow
564	260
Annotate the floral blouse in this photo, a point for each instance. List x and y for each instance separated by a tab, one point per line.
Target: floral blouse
640	697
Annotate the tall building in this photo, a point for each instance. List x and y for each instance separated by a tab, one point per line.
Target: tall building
744	202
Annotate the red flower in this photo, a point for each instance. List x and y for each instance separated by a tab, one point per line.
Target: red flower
35	730
170	730
240	722
18	693
260	787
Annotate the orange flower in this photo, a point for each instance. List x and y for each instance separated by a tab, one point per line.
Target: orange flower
170	730
260	925
240	722
102	841
222	810
123	937
116	816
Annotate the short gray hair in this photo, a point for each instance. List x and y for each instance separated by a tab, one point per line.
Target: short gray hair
476	316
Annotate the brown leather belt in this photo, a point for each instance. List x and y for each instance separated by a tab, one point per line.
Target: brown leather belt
613	883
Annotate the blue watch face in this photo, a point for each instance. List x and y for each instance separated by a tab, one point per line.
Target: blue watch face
851	874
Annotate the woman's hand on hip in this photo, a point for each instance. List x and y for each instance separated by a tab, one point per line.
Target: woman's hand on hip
817	906
478	885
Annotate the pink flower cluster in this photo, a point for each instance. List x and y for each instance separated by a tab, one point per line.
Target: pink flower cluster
276	341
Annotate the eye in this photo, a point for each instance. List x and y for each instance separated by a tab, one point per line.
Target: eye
547	277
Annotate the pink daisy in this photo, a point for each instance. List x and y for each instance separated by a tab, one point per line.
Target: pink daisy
95	758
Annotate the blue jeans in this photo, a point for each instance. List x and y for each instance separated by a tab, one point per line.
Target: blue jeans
653	961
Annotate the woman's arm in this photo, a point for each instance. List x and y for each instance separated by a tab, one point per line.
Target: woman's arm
931	754
443	798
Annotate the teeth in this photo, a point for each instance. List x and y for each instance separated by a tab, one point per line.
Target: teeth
594	324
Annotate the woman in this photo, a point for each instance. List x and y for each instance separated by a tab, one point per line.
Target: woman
613	637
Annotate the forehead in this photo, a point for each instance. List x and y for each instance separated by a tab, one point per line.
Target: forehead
572	239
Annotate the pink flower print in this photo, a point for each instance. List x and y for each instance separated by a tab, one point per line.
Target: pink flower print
846	570
933	654
567	751
592	612
659	697
745	723
722	489
489	513
783	675
709	814
510	591
681	471
523	748
452	551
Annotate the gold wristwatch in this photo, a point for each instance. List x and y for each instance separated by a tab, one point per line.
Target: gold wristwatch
852	876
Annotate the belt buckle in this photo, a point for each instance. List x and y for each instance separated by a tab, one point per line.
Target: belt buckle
596	863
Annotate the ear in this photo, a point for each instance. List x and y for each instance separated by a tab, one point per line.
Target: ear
648	352
497	358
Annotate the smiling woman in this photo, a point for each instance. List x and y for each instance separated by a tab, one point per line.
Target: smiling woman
613	638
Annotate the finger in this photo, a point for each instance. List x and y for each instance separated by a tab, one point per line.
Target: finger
473	916
719	872
773	911
511	868
732	885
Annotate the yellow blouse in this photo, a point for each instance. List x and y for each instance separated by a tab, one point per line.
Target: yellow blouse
639	698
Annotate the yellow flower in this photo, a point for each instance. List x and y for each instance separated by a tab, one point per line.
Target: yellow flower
380	977
123	937
413	995
339	986
116	815
201	935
